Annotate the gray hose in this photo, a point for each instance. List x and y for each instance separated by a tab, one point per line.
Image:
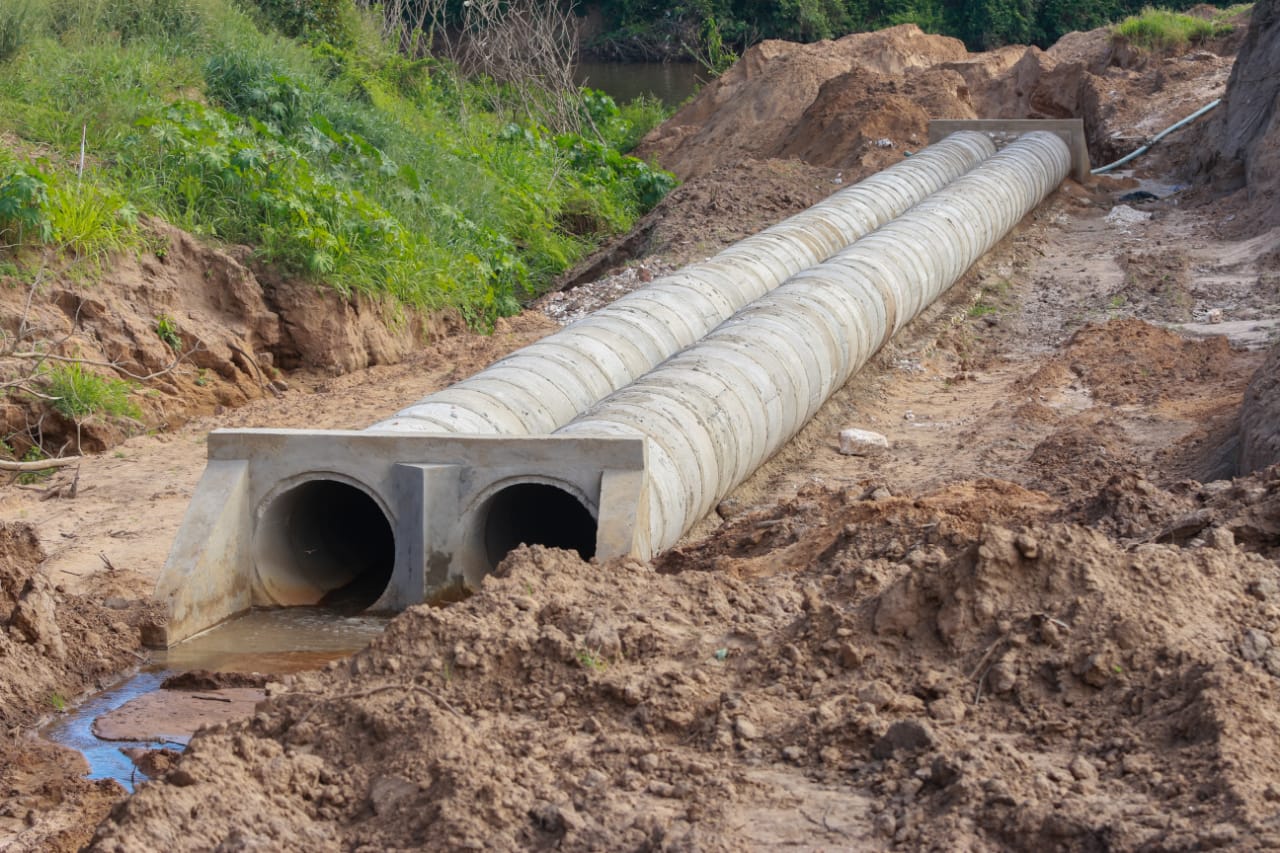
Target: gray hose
1102	170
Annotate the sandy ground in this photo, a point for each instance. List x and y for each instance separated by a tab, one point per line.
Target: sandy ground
1047	618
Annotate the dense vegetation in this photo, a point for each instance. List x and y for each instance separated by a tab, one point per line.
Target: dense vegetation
658	28
293	127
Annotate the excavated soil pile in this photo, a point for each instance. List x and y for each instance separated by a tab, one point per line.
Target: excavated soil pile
842	669
859	102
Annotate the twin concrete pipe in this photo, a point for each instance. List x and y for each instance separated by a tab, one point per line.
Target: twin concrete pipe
547	384
616	434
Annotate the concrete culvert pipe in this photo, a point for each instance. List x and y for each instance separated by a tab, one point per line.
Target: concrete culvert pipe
535	512
323	541
545	385
718	410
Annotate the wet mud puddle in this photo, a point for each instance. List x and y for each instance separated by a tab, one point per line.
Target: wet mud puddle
137	715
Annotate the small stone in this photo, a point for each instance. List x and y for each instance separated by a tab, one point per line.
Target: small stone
1094	670
1002	677
745	729
881	493
1027	546
904	736
464	658
1214	315
115	602
862	442
1050	633
180	778
1264	589
1222	833
1082	769
1221	539
557	699
947	709
884	825
794	754
850	656
877	694
1271	661
603	639
386	792
554	818
1254	644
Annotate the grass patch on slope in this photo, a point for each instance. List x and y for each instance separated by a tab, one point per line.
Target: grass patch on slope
1163	31
349	164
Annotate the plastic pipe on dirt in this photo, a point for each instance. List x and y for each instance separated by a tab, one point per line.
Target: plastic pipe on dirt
1102	170
718	410
545	385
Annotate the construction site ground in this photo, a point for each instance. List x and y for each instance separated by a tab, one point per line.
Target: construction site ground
1048	617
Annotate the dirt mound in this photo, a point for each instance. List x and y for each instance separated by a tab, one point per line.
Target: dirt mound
827	102
53	648
1260	417
195	323
758	103
859	119
699	218
1128	361
853	671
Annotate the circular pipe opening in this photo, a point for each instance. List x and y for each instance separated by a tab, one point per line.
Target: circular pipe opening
325	542
536	514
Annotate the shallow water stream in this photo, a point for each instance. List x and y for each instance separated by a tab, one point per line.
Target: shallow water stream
263	641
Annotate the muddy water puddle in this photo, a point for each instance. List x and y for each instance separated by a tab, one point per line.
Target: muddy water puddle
265	641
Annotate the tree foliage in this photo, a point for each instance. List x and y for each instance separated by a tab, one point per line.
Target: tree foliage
981	24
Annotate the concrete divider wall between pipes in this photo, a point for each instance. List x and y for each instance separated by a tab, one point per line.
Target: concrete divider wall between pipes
715	412
546	384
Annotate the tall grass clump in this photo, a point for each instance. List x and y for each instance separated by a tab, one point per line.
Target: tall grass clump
78	392
20	20
1161	30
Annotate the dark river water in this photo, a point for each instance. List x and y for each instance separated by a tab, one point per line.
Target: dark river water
672	82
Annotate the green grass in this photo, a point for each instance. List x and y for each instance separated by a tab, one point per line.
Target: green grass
78	392
1162	31
352	166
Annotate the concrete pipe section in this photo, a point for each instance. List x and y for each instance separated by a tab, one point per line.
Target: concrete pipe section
438	495
718	410
546	384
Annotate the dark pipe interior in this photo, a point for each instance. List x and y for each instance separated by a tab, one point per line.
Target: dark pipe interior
337	535
537	514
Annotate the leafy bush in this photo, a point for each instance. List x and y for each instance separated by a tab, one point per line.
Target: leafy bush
78	392
317	21
24	192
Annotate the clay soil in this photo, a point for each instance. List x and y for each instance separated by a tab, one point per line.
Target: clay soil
1047	618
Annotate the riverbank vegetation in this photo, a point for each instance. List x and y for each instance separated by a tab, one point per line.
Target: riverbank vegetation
304	130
